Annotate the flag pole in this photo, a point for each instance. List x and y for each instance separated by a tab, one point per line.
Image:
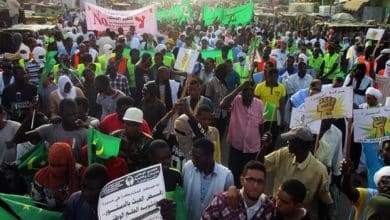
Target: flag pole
349	140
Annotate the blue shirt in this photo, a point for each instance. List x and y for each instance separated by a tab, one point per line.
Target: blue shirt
299	97
232	81
77	208
373	160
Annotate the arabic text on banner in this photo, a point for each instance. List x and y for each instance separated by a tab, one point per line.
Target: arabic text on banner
333	103
133	196
144	19
371	125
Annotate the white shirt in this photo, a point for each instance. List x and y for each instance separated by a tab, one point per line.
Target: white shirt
280	57
366	82
295	83
329	151
251	211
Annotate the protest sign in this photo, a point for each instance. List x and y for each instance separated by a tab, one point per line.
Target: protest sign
133	196
371	125
375	34
298	119
333	103
186	60
144	19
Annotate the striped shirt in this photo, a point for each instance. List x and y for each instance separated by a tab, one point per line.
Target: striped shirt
34	71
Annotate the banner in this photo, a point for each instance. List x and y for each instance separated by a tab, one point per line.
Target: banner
186	60
371	125
375	34
144	19
211	14
133	196
181	13
334	103
298	119
239	15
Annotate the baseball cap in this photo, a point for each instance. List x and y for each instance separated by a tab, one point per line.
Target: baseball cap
298	132
133	114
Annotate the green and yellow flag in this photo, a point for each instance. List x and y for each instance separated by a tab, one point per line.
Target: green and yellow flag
240	15
34	159
14	207
211	14
101	146
269	111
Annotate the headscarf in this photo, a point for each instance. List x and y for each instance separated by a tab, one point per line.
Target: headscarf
62	81
59	152
37	53
374	92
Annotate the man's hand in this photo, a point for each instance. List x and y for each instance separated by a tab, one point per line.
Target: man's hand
266	140
167	209
232	197
346	166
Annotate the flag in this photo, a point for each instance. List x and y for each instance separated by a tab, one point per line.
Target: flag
22	207
34	159
181	13
178	196
210	53
269	111
212	14
101	146
50	62
239	15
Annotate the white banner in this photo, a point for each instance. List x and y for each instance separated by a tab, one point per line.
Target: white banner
186	60
374	33
298	119
332	103
144	19
371	125
133	196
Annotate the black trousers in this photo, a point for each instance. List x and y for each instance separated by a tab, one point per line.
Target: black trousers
237	161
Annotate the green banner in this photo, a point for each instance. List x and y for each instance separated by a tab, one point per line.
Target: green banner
34	159
181	13
240	15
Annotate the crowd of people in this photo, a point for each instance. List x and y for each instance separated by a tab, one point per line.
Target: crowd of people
56	84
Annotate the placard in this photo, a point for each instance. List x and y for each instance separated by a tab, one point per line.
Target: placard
133	196
144	19
374	33
186	59
333	103
371	125
298	119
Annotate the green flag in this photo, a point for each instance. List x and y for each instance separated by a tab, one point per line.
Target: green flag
269	111
181	13
212	14
22	207
179	197
101	146
239	15
34	159
211	54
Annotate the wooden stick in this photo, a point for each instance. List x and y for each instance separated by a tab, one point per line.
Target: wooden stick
349	140
33	119
317	143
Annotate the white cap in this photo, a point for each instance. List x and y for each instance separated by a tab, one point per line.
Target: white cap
374	92
39	52
384	171
160	47
303	57
134	114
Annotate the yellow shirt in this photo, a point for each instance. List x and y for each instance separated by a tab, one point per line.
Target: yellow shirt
311	172
365	195
274	95
266	94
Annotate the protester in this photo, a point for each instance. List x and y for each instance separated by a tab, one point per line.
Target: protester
54	184
83	204
253	203
203	177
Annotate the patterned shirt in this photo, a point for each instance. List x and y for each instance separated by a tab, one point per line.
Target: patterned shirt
216	90
219	209
121	83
